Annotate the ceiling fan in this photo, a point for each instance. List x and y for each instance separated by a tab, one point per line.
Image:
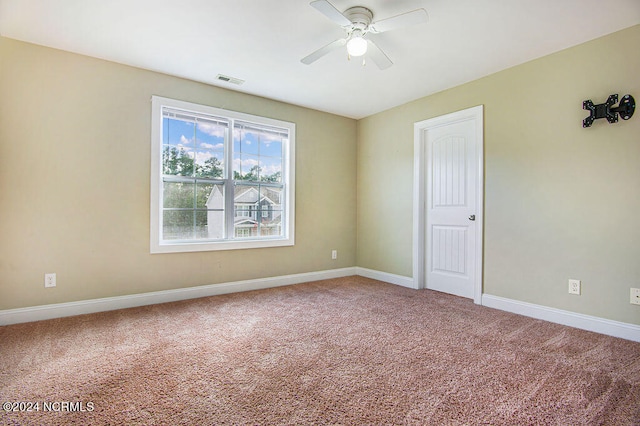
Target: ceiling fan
357	22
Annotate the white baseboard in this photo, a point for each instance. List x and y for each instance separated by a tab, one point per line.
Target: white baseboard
558	316
58	310
386	277
584	322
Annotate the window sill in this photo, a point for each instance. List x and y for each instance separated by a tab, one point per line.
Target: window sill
188	247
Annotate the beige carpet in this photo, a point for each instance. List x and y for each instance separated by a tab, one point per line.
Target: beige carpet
343	351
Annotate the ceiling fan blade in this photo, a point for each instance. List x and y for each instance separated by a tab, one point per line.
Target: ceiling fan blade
378	56
323	51
328	10
418	16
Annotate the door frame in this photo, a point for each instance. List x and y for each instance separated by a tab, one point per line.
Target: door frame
420	193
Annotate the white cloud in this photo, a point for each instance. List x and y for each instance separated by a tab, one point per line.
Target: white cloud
264	137
184	141
211	146
271	169
212	129
246	164
201	157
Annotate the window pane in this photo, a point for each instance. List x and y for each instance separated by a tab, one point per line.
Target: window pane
178	132
245	141
272	227
209	224
246	205
246	167
214	224
246	228
210	164
177	225
246	195
245	231
178	195
271	147
178	149
270	211
209	196
209	146
273	195
176	161
270	169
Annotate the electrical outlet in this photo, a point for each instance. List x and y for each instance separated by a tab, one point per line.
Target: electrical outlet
334	254
635	296
50	280
574	287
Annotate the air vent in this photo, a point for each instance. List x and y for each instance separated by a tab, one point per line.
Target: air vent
228	79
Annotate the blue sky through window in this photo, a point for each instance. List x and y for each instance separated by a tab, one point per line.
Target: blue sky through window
255	148
200	141
203	140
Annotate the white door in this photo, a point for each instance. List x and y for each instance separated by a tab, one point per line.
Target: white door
451	150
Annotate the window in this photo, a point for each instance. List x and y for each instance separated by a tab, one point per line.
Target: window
220	180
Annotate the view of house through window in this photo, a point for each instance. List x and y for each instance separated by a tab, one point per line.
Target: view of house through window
223	177
257	173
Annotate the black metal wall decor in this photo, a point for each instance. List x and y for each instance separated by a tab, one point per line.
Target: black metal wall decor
606	110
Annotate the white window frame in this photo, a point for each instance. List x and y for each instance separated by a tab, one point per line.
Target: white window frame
288	178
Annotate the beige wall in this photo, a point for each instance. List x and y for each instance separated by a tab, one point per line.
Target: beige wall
560	201
74	182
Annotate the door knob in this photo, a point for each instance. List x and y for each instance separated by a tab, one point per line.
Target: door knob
472	217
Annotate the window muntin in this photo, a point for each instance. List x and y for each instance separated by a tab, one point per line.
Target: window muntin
220	179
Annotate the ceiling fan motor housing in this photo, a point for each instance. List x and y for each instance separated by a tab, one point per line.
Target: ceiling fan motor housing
360	17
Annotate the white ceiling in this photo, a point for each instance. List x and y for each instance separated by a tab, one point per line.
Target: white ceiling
262	42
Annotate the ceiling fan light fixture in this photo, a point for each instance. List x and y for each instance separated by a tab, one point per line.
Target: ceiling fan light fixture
357	46
357	21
